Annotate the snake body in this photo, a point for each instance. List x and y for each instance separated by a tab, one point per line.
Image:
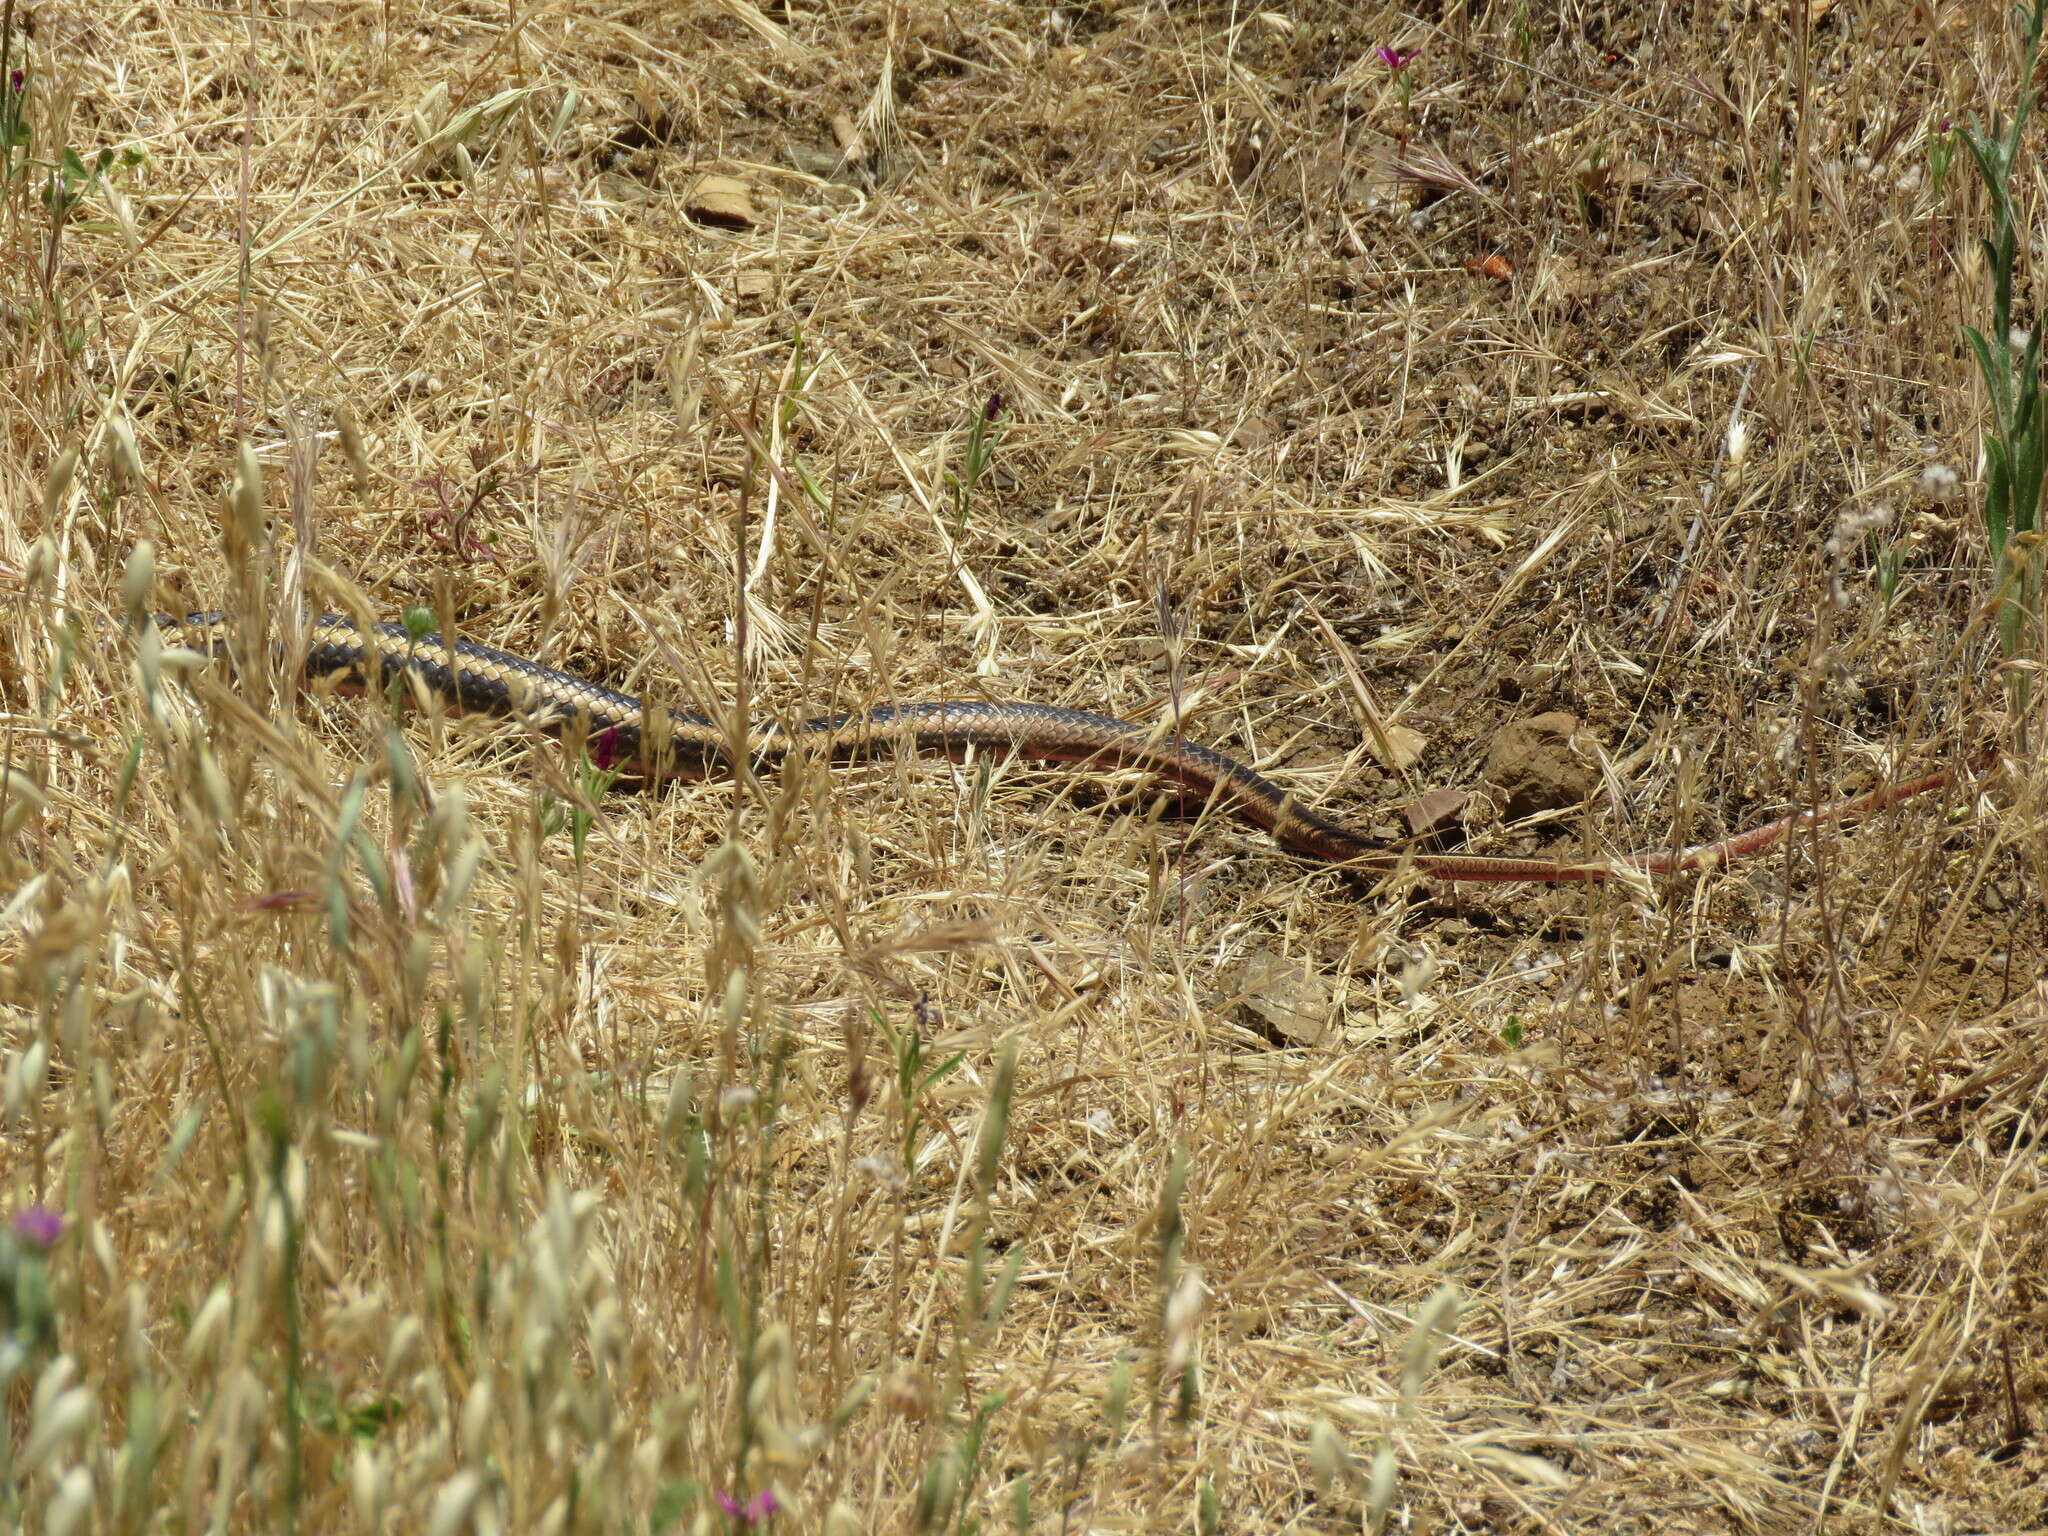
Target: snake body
645	741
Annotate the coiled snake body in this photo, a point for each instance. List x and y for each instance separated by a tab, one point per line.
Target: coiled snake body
649	742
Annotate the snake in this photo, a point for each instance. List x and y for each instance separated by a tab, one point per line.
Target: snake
648	742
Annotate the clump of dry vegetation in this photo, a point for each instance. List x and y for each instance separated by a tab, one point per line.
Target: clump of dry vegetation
1567	407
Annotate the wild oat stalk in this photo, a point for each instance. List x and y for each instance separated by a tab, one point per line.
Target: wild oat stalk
982	437
14	133
1439	1315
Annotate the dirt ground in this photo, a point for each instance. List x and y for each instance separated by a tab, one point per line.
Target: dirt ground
1538	430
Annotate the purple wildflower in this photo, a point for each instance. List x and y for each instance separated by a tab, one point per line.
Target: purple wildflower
39	1226
994	408
17	80
1396	59
757	1509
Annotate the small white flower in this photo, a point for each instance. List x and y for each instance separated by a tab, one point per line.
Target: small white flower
885	1171
1939	481
1853	525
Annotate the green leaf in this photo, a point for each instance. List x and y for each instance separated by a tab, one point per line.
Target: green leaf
941	1070
1997	494
1995	379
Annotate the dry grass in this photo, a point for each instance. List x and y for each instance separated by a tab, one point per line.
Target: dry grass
441	1149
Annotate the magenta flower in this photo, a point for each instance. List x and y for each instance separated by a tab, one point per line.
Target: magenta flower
1396	59
757	1509
39	1226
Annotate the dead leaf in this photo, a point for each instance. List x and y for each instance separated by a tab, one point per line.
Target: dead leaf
1536	1471
722	202
1400	749
1296	1001
1434	811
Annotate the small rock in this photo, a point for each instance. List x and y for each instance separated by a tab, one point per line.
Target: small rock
1537	766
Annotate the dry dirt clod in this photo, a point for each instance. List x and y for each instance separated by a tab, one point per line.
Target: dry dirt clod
1538	766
